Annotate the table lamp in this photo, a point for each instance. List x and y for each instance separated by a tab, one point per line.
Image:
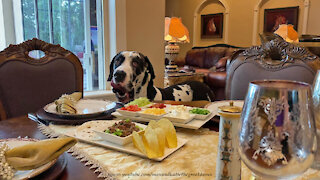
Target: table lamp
287	32
175	32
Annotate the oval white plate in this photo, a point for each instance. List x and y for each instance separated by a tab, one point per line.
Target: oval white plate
15	142
83	106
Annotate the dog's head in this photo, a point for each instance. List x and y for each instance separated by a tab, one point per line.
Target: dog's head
127	73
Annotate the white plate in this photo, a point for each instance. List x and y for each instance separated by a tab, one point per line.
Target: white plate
130	149
15	142
116	139
128	113
84	107
179	119
127	148
151	116
193	124
213	107
202	116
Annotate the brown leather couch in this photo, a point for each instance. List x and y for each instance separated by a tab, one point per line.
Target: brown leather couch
211	61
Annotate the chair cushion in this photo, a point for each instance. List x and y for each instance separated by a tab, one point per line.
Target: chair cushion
241	73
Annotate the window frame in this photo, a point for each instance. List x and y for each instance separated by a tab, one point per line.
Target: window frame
114	32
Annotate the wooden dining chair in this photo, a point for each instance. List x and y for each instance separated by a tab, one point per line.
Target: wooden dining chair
27	84
275	59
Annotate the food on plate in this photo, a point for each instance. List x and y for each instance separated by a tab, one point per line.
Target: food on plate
156	137
133	108
154	111
161	140
138	143
158	105
142	101
123	128
151	143
178	108
179	112
170	132
66	103
200	111
86	130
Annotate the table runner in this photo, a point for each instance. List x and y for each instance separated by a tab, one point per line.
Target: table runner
195	160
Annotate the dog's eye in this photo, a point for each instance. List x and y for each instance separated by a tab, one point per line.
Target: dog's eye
135	64
117	63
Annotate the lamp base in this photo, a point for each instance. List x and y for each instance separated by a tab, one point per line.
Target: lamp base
171	53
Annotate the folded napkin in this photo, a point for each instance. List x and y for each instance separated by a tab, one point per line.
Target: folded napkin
36	154
66	103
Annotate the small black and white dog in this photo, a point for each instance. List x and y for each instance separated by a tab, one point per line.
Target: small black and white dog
131	76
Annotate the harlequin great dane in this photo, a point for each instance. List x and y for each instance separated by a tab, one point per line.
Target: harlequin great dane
131	76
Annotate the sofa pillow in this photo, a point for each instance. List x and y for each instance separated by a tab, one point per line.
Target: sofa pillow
230	51
213	55
222	62
195	57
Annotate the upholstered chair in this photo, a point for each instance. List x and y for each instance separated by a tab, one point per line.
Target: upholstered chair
27	84
275	59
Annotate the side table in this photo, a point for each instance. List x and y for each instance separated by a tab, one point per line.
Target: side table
176	78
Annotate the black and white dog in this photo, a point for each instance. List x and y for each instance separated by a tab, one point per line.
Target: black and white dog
131	76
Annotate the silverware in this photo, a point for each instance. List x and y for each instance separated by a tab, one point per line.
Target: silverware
34	118
277	128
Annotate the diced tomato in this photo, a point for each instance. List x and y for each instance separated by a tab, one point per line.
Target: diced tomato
158	105
133	108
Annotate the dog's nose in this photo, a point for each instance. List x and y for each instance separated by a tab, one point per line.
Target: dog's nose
119	76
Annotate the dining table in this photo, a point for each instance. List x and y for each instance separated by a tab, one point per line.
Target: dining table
197	159
22	126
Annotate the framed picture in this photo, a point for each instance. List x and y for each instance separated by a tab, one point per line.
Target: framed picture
212	25
274	17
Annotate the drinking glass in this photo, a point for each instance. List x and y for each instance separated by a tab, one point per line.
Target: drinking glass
277	129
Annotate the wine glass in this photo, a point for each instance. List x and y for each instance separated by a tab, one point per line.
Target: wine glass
316	105
277	129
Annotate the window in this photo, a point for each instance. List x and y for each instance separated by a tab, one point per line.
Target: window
74	24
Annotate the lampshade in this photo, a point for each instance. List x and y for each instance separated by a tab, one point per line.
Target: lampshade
287	32
175	31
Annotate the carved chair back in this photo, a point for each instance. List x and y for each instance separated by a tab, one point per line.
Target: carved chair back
27	84
275	59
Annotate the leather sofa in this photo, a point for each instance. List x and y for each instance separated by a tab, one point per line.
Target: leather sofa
211	61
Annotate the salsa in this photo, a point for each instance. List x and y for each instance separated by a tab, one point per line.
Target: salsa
158	105
133	108
123	128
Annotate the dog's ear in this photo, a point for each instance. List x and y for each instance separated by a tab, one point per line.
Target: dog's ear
111	67
150	68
